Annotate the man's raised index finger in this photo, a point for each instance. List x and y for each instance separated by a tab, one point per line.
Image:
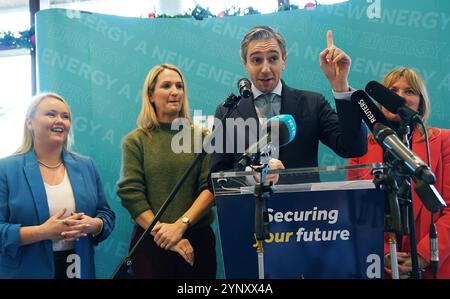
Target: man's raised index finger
329	38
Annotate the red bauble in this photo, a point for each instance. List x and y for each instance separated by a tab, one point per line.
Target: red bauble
152	15
221	14
310	5
33	39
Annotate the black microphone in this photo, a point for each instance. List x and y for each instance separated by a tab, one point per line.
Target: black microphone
245	88
280	129
430	197
422	175
392	101
386	137
368	110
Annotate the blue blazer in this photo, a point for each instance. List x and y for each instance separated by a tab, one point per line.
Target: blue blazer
23	202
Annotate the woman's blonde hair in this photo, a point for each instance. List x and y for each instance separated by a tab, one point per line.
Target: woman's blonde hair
147	118
28	137
417	84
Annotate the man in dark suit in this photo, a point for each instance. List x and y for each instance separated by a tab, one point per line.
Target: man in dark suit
263	52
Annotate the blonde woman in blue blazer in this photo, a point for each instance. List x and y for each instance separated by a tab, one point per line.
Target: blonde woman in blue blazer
53	209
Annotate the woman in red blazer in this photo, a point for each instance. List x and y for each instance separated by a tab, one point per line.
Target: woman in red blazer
408	84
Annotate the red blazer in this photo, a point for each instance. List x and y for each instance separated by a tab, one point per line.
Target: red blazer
440	165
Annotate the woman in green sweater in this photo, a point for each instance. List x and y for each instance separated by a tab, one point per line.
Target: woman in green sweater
182	244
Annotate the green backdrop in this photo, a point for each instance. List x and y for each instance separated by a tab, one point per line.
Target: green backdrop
99	62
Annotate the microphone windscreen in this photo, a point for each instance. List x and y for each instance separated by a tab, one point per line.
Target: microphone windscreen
286	126
386	97
369	112
245	87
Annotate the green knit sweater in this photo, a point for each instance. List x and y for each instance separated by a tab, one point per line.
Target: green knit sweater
150	169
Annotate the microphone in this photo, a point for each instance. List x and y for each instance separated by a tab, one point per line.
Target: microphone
245	88
280	129
392	101
368	110
386	137
430	197
422	175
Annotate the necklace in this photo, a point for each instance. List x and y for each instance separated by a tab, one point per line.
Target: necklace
50	166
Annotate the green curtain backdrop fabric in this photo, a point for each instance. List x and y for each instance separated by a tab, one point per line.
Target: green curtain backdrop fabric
99	62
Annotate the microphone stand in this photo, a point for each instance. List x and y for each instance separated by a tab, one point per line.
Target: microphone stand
405	196
262	194
231	103
392	221
404	132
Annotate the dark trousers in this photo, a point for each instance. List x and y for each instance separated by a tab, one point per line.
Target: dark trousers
150	261
60	258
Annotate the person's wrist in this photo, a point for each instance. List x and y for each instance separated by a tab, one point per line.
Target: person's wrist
185	221
341	87
42	232
98	226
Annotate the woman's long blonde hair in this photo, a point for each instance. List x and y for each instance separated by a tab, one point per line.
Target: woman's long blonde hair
147	118
417	84
28	137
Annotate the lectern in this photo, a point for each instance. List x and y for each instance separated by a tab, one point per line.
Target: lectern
321	225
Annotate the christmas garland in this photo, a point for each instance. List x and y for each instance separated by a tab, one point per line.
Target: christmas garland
26	39
200	13
18	40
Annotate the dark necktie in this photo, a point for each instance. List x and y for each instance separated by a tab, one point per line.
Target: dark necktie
265	105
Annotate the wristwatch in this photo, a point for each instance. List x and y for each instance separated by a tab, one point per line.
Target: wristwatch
186	220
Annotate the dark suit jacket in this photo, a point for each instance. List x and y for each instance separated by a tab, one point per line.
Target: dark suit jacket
315	120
